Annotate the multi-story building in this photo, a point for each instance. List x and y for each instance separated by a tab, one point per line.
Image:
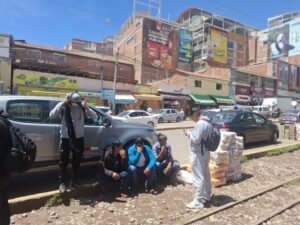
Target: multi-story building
105	47
217	41
43	70
283	18
5	63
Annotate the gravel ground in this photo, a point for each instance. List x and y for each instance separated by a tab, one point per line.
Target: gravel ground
291	217
168	207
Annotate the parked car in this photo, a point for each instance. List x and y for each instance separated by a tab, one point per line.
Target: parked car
263	110
290	117
137	116
31	115
251	126
168	115
104	109
210	113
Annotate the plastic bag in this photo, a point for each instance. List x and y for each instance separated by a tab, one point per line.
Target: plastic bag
185	176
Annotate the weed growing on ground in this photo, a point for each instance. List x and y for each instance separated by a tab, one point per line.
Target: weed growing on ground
54	200
283	150
293	182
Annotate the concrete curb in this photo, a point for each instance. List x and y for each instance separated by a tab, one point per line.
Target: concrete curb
174	128
36	201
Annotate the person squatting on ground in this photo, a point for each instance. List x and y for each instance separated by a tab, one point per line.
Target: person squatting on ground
113	166
5	141
72	113
166	166
200	161
141	164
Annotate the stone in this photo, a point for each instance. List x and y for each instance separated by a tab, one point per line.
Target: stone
74	212
24	215
52	214
149	220
132	220
111	210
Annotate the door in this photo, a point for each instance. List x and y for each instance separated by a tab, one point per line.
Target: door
174	114
32	118
168	116
263	133
96	136
135	117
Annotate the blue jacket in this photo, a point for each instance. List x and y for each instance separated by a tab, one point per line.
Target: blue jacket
134	156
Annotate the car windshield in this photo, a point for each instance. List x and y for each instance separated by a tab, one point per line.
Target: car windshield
210	114
224	117
161	111
123	114
293	111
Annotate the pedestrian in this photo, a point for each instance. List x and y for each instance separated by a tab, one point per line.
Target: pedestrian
200	157
113	166
142	165
72	113
149	110
166	166
6	145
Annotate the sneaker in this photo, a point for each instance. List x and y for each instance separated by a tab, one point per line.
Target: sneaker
123	195
195	204
75	185
62	188
151	191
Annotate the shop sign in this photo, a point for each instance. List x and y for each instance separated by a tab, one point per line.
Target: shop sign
242	90
269	93
174	90
284	93
142	89
242	98
47	62
108	94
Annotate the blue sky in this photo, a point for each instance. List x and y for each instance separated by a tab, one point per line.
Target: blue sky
56	22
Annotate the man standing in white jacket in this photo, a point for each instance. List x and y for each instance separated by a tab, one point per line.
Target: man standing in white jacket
72	113
200	157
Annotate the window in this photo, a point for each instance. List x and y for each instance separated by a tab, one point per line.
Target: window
258	119
144	114
168	112
92	122
230	44
218	23
173	111
198	83
59	57
34	54
134	114
89	46
94	63
246	118
240	47
121	68
29	111
219	87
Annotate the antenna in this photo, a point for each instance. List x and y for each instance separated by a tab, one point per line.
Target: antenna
153	6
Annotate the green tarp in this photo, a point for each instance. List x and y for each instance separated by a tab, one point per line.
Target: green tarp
203	100
223	100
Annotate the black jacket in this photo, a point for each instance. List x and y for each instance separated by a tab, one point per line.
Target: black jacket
5	145
110	164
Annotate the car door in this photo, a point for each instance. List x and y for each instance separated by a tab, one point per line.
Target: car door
32	118
135	117
96	135
174	114
263	132
168	116
146	117
247	127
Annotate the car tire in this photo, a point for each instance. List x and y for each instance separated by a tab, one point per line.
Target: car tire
151	123
178	119
274	138
160	120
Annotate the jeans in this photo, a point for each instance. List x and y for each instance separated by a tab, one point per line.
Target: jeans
4	209
160	166
138	172
65	155
104	180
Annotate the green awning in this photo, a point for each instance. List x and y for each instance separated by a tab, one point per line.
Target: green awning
203	100
223	100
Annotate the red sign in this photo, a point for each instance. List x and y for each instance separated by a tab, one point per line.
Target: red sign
242	90
269	93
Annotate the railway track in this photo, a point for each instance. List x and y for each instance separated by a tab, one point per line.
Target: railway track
255	209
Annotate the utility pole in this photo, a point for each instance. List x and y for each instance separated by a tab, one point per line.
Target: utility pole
115	81
101	75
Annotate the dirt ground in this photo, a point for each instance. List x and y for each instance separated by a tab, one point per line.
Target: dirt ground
168	207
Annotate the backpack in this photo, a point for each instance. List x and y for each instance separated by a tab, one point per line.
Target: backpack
213	139
21	156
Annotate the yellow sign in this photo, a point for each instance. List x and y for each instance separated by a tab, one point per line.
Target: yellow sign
219	41
49	92
28	78
143	89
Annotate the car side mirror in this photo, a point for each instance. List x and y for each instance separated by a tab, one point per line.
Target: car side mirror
106	122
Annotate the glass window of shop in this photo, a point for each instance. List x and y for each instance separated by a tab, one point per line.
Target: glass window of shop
34	54
241	78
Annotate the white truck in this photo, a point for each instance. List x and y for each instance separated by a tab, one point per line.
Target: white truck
284	104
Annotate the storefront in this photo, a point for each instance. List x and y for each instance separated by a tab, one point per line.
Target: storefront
202	102
223	100
147	97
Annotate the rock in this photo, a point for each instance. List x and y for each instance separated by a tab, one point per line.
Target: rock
33	211
126	213
149	220
132	220
110	209
12	222
74	212
52	214
24	215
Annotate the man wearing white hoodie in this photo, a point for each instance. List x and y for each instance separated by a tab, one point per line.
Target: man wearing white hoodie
200	157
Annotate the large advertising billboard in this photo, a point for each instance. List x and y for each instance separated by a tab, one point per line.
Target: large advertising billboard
295	37
157	44
185	46
219	43
284	39
283	75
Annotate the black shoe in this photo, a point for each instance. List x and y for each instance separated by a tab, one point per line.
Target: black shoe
150	191
62	188
75	185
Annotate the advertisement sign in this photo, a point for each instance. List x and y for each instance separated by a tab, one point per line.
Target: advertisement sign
185	46
44	80
242	90
4	46
157	44
283	75
174	90
284	40
295	37
108	94
219	42
294	77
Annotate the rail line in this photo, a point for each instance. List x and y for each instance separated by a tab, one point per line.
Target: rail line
269	216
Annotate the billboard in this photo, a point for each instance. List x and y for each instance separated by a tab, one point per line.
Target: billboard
219	42
283	75
294	37
157	44
185	46
294	77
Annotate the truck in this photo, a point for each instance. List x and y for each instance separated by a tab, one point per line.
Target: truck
284	104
